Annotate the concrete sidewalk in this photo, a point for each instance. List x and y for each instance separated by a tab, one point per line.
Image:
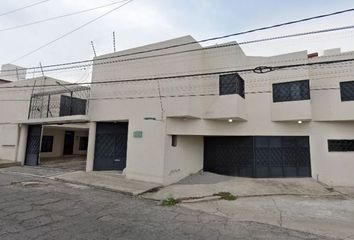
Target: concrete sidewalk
5	163
295	203
207	184
108	180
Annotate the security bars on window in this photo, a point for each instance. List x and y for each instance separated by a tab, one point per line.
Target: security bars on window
291	91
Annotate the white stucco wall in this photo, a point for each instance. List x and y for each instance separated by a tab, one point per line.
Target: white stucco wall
171	110
333	168
151	158
184	159
9	134
58	141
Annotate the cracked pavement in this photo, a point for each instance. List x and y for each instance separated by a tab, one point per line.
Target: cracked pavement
56	210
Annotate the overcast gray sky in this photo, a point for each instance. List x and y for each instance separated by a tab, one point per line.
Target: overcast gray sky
147	21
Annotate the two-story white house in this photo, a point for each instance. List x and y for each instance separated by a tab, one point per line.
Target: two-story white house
161	115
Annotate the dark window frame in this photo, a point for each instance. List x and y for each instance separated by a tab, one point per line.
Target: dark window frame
174	140
283	92
346	91
47	144
231	84
340	145
83	145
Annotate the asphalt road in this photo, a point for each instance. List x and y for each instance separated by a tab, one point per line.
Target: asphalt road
46	209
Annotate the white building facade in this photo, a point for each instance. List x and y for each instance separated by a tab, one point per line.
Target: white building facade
159	116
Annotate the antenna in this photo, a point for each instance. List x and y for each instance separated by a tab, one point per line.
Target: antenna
114	41
93	48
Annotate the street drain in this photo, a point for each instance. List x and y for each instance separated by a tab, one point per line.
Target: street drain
30	184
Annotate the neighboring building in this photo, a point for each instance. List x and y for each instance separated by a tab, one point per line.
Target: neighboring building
294	122
12	73
4	81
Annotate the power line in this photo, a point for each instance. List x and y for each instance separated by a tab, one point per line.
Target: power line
72	31
272	68
98	60
21	8
58	17
172	95
201	41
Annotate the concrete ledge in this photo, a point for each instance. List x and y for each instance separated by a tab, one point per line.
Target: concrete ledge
108	180
6	164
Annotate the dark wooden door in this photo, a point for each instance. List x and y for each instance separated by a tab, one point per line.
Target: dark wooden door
69	142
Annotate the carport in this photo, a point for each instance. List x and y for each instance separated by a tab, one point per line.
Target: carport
57	145
56	142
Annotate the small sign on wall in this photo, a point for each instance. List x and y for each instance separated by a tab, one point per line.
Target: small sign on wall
138	134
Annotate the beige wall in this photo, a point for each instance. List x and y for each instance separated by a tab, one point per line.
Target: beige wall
151	158
333	168
58	141
184	159
9	134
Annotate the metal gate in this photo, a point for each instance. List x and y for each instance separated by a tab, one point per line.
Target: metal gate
33	145
260	156
111	146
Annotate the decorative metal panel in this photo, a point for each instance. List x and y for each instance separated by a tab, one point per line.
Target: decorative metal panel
47	144
33	145
341	145
291	91
70	106
260	156
347	91
111	146
231	84
66	102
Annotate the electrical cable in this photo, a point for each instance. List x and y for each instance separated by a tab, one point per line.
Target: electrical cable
21	8
279	67
205	40
97	61
72	31
58	17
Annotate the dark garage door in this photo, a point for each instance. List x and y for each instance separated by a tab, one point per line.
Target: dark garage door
260	156
111	146
33	145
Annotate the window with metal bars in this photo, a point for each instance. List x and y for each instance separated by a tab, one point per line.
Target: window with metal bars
83	143
174	140
231	84
47	144
347	91
341	145
291	91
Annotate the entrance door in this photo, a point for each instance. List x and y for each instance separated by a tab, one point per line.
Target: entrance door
69	142
111	146
33	145
259	156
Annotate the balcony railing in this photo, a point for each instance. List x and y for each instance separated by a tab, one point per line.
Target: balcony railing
59	103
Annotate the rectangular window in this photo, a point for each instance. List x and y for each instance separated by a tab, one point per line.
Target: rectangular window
291	91
342	145
47	144
347	91
70	106
231	84
174	140
83	143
